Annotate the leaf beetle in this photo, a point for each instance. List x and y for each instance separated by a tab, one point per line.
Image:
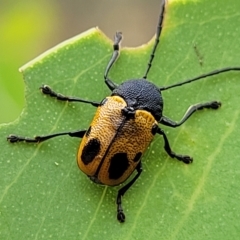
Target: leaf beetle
131	115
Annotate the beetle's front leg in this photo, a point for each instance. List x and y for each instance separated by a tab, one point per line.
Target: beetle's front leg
192	109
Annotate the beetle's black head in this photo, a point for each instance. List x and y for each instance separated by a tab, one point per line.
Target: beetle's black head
141	94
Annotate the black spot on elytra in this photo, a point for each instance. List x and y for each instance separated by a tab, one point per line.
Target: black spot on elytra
137	157
88	131
90	151
118	165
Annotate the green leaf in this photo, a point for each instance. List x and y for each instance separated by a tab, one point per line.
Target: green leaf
23	35
44	195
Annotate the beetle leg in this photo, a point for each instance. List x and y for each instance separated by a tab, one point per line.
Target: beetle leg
170	123
116	46
184	158
121	192
48	91
14	138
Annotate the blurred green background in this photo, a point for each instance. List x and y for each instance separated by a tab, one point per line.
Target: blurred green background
28	28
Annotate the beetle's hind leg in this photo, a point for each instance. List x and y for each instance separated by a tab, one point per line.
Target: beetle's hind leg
121	192
48	91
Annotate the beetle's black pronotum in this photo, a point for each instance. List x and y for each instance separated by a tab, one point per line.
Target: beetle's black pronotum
124	125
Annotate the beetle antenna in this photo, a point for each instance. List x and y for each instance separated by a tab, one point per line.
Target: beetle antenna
215	72
158	33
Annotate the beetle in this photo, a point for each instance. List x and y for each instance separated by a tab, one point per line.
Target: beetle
124	124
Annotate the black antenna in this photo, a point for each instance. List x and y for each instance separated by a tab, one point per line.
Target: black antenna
158	33
215	72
